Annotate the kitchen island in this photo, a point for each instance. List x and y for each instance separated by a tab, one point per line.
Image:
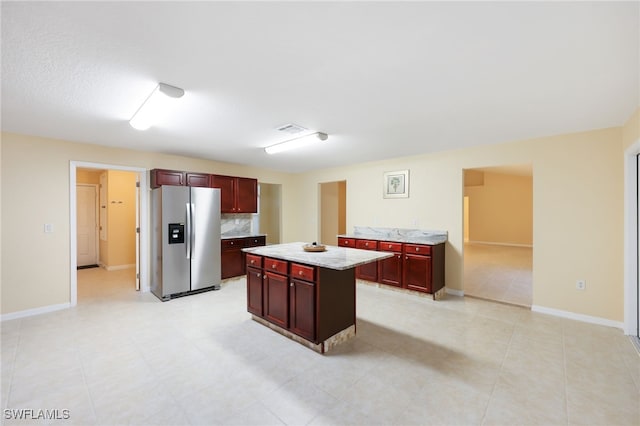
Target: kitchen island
309	297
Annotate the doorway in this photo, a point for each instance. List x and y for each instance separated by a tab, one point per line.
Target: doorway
632	242
333	211
128	221
87	224
498	234
269	211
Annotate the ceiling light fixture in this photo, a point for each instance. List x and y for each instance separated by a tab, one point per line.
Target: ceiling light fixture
155	106
296	143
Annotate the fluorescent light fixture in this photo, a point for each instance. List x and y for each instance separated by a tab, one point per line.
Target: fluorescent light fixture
296	143
155	106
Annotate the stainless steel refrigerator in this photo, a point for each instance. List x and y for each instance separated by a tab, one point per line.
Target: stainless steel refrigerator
185	247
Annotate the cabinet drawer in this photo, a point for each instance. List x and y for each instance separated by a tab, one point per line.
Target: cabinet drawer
347	242
303	272
387	246
253	260
367	244
233	243
417	249
275	265
255	241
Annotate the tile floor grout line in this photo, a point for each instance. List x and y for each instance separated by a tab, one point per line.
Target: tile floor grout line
13	363
495	385
566	378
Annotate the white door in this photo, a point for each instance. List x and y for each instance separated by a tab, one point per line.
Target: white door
86	202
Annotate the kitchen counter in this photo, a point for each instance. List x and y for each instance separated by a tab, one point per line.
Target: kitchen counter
230	236
338	258
309	297
398	235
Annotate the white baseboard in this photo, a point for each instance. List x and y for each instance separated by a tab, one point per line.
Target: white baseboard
578	317
491	243
119	267
459	293
34	311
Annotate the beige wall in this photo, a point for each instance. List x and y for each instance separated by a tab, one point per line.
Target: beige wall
501	209
577	212
631	130
35	191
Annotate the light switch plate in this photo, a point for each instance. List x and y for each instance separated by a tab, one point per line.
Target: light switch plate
48	228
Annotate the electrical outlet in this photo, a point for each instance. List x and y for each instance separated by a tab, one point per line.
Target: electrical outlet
48	228
581	284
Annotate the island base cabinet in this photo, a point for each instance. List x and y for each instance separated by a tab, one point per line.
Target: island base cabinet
316	305
302	301
276	299
254	291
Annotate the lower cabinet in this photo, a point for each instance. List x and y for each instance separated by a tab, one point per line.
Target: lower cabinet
369	271
276	300
311	302
254	291
417	272
418	267
302	302
390	269
232	258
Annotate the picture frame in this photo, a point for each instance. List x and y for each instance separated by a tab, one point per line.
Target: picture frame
395	184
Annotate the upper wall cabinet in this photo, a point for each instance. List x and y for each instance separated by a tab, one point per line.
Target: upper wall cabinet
197	179
161	177
237	194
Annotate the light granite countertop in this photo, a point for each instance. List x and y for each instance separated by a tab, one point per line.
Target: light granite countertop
230	236
398	235
339	258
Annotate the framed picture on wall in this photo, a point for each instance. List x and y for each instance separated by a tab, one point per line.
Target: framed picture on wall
395	184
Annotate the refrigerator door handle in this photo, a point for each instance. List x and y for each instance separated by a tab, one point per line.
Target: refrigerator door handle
192	234
187	240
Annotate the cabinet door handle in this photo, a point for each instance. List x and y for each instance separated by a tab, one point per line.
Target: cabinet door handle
389	245
366	244
406	257
290	284
300	273
273	266
399	256
417	248
231	243
258	275
253	261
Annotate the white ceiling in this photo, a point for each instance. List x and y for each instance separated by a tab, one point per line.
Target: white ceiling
383	79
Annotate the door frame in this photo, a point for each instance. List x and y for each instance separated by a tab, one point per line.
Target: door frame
143	236
631	273
96	206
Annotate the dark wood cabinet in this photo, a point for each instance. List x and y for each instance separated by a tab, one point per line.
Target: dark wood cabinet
276	298
232	256
254	290
423	267
390	269
312	302
417	272
418	267
161	177
197	179
346	242
302	301
237	195
368	272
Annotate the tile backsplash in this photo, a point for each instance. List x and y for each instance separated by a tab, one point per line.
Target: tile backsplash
237	224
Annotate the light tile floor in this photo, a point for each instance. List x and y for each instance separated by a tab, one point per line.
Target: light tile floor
500	273
122	357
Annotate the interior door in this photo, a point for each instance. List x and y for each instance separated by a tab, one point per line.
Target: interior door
138	233
86	206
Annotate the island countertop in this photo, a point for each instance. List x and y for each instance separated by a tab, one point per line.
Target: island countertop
338	258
